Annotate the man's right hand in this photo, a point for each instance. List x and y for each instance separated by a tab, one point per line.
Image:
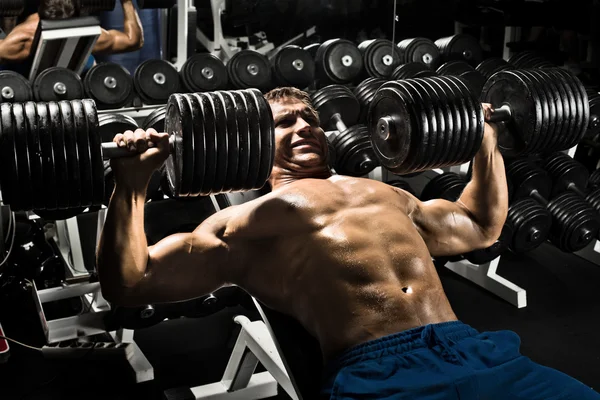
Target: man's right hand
149	151
490	132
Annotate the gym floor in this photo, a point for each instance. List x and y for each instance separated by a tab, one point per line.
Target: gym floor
558	329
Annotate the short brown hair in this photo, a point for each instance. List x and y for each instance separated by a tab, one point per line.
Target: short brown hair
57	9
281	94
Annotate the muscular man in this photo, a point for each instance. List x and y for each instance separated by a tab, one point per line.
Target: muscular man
16	47
349	258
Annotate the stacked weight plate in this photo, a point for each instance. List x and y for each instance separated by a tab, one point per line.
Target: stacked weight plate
447	186
293	66
419	50
155	81
380	57
412	70
51	156
338	61
425	123
204	72
531	224
365	92
473	78
354	152
529	59
490	66
249	69
460	47
109	84
14	88
550	109
57	83
231	146
155	120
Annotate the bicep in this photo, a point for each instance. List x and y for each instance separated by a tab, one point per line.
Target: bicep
447	227
112	41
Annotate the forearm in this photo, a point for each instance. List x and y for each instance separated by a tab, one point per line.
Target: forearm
123	249
486	195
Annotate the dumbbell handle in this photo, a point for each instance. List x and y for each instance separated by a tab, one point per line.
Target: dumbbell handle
501	114
339	124
111	150
537	196
574	188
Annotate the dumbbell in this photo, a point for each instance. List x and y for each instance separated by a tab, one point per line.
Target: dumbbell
339	110
365	92
380	57
293	66
401	184
14	87
109	84
449	186
337	61
412	70
419	50
57	83
52	154
460	47
155	81
12	8
249	69
574	222
204	72
474	79
529	59
490	66
435	122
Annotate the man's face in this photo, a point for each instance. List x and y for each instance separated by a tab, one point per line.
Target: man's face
300	142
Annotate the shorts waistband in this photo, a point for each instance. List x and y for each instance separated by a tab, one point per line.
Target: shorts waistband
403	342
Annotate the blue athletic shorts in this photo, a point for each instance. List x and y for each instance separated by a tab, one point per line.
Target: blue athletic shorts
448	361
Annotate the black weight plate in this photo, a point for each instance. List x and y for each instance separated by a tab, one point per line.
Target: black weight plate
583	103
531	222
340	61
234	145
506	87
60	156
468	111
391	106
454	68
109	84
569	106
243	138
155	120
424	51
255	140
555	93
71	153
444	120
49	185
312	49
204	72
199	138
364	93
477	121
179	167
24	171
336	99
34	155
537	143
409	70
112	124
231	138
456	115
380	57
210	154
577	110
249	69
95	149
14	88
463	47
294	66
430	141
594	124
83	149
553	125
8	161
155	81
57	83
221	140
267	131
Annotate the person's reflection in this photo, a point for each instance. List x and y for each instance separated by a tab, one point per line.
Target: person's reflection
16	47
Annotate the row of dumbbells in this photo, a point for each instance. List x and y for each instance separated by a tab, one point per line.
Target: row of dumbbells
555	199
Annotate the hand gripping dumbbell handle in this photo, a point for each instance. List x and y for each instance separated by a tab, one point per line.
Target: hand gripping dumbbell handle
501	114
111	150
